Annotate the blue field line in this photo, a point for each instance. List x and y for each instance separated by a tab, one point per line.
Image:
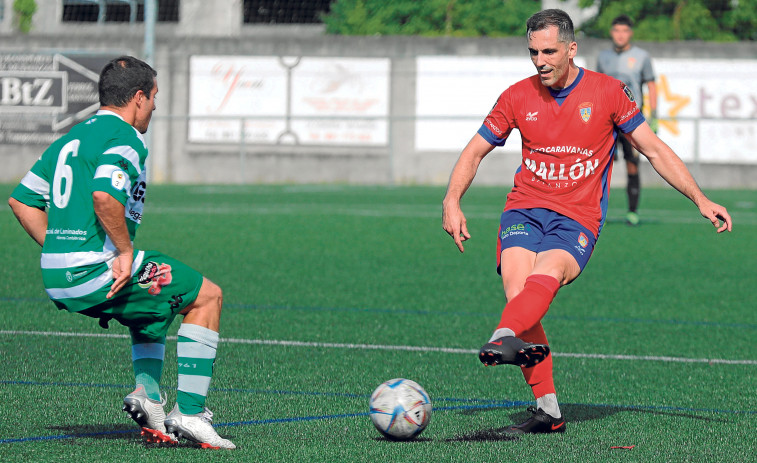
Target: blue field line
295	419
488	315
229	305
128	387
499	404
336	394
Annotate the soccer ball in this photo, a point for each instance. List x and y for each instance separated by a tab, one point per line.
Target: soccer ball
400	409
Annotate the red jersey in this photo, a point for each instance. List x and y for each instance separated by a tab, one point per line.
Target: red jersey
569	140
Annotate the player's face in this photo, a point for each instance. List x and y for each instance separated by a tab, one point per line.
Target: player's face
145	109
621	36
551	57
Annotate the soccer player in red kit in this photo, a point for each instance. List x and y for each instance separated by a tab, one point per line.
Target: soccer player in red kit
569	120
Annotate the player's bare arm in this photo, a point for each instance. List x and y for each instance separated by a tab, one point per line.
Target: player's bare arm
674	171
453	219
33	220
652	92
110	213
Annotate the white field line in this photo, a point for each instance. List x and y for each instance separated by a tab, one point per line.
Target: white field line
394	210
689	217
445	350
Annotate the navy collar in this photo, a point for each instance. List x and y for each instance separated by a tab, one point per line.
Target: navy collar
564	92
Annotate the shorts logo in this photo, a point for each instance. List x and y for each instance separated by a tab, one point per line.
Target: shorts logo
154	277
176	302
585	111
516	229
583	240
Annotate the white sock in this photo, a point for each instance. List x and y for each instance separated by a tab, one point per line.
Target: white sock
501	333
548	403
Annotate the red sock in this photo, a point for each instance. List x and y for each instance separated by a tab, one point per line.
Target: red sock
539	376
527	309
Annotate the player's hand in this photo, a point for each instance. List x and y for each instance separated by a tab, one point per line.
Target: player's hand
652	121
653	124
121	272
715	213
454	223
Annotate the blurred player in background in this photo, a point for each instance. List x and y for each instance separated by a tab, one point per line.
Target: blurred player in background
632	66
569	119
82	202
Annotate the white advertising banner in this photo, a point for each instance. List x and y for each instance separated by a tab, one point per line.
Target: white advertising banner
454	94
344	100
325	101
707	110
232	87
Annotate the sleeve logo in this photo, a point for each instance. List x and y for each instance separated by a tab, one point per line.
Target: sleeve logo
628	92
118	179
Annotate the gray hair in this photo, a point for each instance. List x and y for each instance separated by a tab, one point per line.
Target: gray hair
553	17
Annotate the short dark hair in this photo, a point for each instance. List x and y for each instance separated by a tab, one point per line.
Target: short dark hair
552	17
623	20
121	78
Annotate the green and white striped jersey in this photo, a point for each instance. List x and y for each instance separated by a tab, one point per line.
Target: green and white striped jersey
103	153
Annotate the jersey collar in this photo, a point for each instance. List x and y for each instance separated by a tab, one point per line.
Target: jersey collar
105	112
564	92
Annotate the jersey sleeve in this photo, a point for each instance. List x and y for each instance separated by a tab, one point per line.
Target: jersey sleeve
117	168
34	189
626	115
499	122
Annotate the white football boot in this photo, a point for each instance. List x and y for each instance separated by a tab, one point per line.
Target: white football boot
196	428
149	415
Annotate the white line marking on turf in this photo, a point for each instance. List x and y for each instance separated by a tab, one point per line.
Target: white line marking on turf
410	211
445	350
414	212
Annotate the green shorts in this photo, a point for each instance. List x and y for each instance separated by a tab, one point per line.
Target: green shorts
159	289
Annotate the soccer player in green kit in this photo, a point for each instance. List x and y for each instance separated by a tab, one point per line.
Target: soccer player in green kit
82	201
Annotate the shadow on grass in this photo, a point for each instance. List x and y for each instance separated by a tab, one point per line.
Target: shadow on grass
99	431
411	441
574	413
113	432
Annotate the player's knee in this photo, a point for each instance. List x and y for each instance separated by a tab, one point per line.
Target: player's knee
213	294
512	290
209	300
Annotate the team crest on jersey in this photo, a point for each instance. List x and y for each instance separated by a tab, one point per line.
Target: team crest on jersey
585	111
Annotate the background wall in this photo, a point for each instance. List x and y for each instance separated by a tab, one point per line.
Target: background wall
204	31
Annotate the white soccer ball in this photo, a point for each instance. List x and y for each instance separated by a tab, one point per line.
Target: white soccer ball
400	409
